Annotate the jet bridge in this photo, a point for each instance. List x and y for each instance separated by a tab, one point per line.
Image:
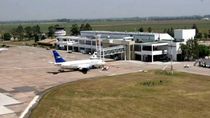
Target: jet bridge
112	51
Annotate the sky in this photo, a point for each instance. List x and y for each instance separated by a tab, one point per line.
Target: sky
11	10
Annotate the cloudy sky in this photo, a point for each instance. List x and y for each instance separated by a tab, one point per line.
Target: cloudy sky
52	9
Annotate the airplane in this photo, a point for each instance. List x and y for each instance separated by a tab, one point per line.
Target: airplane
82	65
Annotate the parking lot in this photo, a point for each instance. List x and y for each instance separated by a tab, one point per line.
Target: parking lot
28	71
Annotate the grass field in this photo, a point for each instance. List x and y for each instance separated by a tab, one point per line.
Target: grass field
157	26
153	94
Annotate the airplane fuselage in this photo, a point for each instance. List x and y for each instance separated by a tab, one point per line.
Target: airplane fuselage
76	64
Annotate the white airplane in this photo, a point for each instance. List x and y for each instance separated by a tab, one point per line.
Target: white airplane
3	49
81	65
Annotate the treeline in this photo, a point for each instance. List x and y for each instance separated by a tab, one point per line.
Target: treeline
74	30
170	31
34	32
24	33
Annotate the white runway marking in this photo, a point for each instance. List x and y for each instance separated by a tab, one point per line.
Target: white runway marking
4	110
6	101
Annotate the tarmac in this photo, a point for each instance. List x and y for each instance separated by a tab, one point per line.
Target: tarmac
28	71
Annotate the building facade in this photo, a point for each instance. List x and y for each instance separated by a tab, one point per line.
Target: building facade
138	37
183	35
128	45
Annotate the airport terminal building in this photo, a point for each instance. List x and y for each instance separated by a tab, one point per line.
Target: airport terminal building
128	45
138	37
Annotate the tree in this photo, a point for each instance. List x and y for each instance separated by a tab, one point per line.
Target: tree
36	32
14	33
36	37
75	30
20	29
165	30
196	28
203	51
198	34
189	50
209	34
88	27
170	31
141	29
29	32
85	27
36	29
20	32
149	29
185	52
7	36
57	26
43	37
51	31
205	36
82	27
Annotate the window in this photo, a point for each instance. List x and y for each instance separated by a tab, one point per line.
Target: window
147	48
88	42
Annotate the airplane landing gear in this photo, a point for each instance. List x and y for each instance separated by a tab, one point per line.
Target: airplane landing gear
84	71
61	70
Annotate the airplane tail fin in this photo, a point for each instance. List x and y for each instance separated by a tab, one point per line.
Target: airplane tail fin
57	57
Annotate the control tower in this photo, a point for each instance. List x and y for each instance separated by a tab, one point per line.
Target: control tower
60	31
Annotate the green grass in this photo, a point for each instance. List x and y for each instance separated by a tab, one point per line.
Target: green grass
157	26
139	95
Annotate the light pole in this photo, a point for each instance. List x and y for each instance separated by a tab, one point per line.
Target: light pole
98	45
171	59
